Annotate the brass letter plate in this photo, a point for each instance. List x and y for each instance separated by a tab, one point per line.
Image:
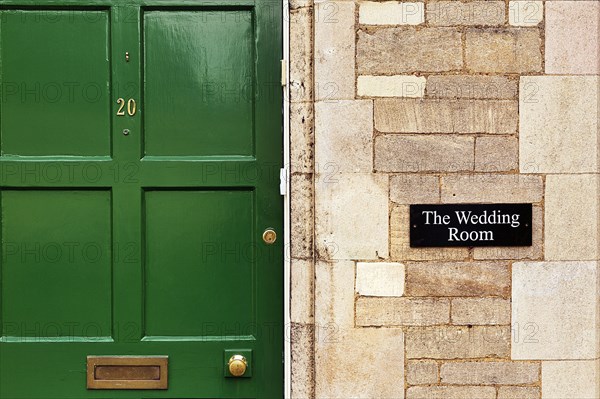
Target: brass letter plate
127	372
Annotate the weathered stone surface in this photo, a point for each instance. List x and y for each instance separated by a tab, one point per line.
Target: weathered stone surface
422	372
363	355
525	12
423	153
303	360
301	203
554	310
534	252
391	86
446	342
492	188
301	56
571	217
334	50
471	86
302	291
566	20
480	311
518	393
446	116
451	13
496	154
345	202
458	279
570	380
302	137
511	50
402	311
383	51
380	279
344	136
400	242
558	124
334	298
415	189
490	373
451	393
391	13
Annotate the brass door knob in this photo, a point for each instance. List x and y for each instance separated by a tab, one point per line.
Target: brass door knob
269	236
237	365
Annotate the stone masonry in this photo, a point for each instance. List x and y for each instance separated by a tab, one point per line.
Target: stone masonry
475	101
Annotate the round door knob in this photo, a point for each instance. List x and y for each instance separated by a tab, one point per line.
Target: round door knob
237	365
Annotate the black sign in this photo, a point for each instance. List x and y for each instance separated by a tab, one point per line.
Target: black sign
470	225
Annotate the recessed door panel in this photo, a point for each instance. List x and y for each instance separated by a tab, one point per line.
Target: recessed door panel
55	82
198	83
200	257
56	264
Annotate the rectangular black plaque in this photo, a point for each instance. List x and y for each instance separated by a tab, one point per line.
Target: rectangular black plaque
470	225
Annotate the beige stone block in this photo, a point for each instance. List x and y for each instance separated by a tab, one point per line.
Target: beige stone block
383	51
423	153
347	204
334	50
391	13
334	298
302	291
492	188
496	154
452	13
302	138
422	372
554	310
400	242
301	55
344	136
480	311
511	50
446	116
414	189
571	217
451	393
534	252
391	86
472	86
518	393
379	279
570	380
302	212
458	279
376	312
358	365
558	124
525	12
490	373
303	360
565	21
446	342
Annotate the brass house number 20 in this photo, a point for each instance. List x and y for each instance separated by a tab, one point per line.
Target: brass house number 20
131	107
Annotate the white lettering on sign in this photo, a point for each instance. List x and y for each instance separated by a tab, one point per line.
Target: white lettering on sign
467	218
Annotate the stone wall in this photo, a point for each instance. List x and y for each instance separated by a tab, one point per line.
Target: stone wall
397	103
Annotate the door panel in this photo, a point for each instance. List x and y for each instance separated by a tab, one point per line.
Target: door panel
55	82
146	243
198	96
199	261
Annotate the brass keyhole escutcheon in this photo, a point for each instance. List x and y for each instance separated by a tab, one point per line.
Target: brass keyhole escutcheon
269	236
237	365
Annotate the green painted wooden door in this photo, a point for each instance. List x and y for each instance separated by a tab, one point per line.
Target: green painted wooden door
134	226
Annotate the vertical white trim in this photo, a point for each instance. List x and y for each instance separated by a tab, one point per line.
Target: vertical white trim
287	330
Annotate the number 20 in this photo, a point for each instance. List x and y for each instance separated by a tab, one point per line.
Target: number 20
131	107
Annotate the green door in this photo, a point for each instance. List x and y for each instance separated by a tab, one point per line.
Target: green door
140	152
